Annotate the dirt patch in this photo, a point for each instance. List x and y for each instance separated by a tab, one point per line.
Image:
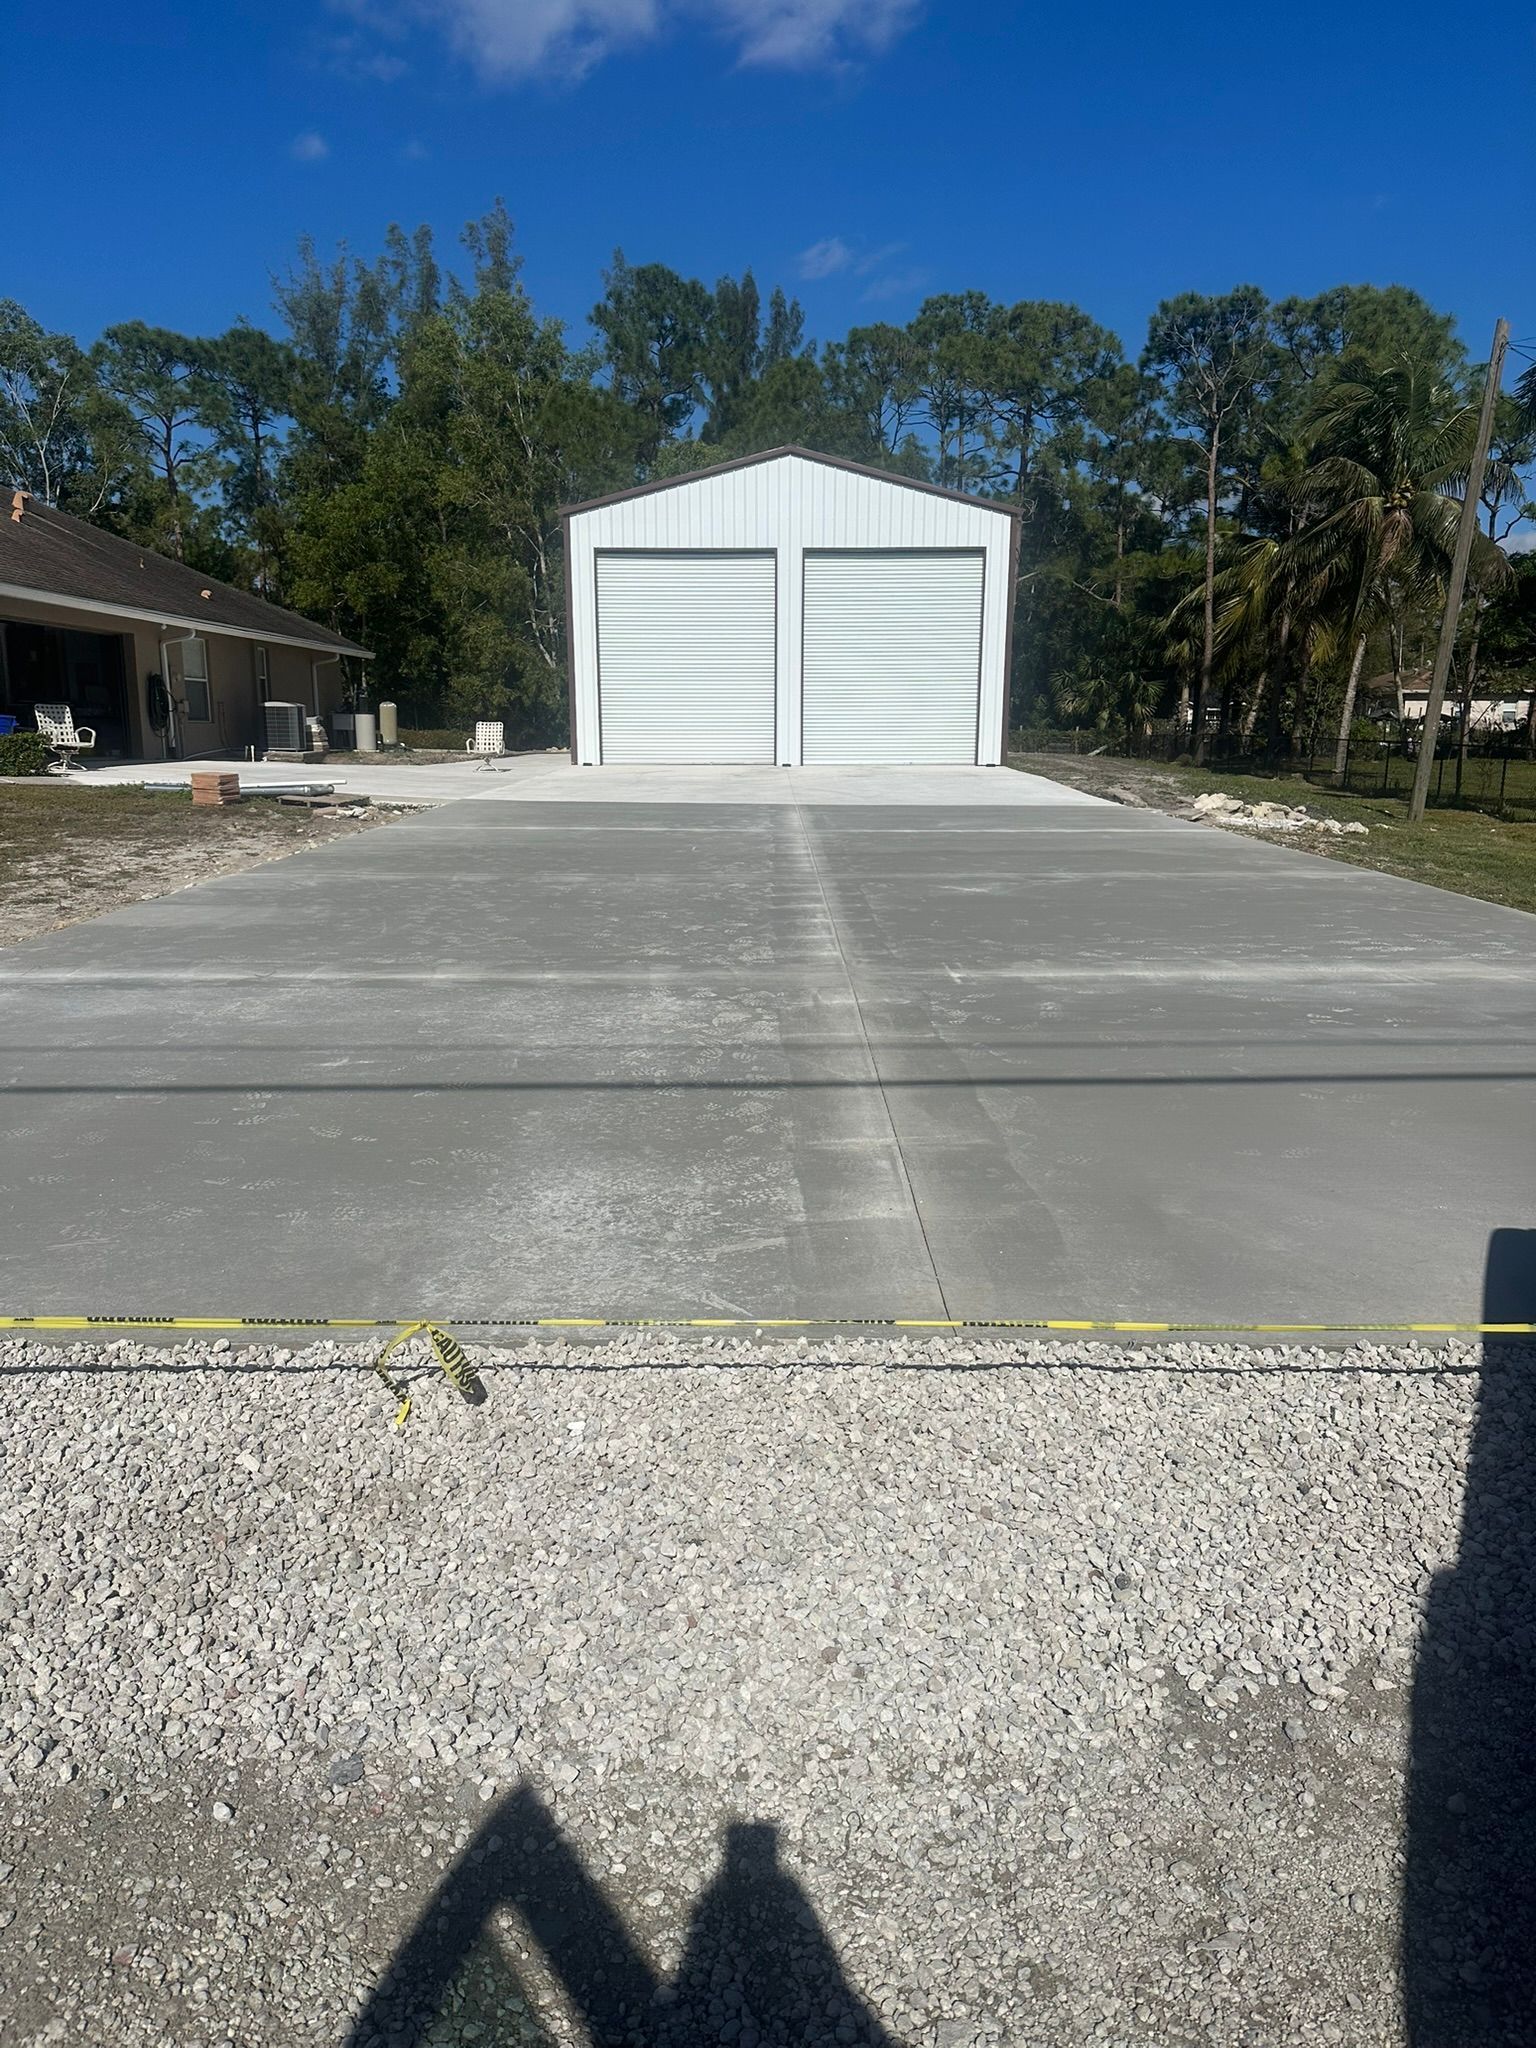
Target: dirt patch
1464	850
68	853
1155	785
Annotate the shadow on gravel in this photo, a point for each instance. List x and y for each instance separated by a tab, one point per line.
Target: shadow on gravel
757	1967
1469	1897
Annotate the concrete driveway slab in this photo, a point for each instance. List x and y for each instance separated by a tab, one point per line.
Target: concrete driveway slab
795	788
838	1060
550	778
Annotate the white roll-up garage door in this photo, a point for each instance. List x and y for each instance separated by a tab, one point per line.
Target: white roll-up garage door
685	657
892	656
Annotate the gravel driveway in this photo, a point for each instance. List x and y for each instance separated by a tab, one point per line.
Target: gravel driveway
949	1693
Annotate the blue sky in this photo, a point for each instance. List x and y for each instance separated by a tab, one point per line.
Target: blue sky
863	152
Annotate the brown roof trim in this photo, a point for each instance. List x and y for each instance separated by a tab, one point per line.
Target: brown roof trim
885	476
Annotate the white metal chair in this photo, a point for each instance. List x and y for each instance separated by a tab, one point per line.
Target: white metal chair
490	738
66	740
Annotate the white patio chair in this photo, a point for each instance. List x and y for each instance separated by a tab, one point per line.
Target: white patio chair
490	738
66	740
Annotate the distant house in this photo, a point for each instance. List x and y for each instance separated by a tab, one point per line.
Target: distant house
88	619
1404	697
1485	714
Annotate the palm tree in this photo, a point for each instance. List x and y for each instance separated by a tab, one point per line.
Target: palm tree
1262	630
1115	700
1267	629
1391	441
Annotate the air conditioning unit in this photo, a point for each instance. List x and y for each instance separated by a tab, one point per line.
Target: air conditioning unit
285	728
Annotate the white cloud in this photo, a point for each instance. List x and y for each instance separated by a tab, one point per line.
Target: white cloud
824	257
357	57
309	148
510	39
1522	541
899	284
507	39
873	259
802	33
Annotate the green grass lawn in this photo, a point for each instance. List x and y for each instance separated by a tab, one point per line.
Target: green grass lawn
1497	786
1463	850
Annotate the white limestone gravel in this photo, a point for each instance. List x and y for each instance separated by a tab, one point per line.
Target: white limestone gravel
1074	1681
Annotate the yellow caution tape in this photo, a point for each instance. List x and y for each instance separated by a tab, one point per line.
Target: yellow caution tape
402	1394
446	1348
448	1352
437	1330
461	1374
200	1322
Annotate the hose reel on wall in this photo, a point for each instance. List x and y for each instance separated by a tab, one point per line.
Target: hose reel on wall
157	703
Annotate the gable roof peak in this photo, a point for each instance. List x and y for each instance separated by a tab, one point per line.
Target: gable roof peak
885	476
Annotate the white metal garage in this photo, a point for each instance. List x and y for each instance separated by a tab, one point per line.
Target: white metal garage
789	608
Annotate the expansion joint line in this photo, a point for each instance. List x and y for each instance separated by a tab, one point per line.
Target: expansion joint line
869	1050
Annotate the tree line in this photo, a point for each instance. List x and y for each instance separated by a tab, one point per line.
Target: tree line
1221	538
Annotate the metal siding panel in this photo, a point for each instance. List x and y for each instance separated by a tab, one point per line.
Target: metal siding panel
791	504
797	517
686	656
994	641
891	656
578	569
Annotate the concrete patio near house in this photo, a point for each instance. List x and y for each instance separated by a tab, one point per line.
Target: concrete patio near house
746	1058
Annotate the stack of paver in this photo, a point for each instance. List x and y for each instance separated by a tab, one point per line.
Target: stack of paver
209	787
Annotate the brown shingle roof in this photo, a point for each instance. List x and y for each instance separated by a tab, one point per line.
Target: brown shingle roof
49	554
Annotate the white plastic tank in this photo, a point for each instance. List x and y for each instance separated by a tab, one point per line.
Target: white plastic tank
389	726
366	726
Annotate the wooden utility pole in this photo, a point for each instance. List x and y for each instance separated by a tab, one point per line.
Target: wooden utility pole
1466	528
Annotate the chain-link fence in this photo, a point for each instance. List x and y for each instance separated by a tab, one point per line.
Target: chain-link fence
1493	772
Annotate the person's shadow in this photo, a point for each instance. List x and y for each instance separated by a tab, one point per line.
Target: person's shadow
1469	1890
757	1967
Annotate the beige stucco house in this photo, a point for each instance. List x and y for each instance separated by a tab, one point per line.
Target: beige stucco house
89	620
